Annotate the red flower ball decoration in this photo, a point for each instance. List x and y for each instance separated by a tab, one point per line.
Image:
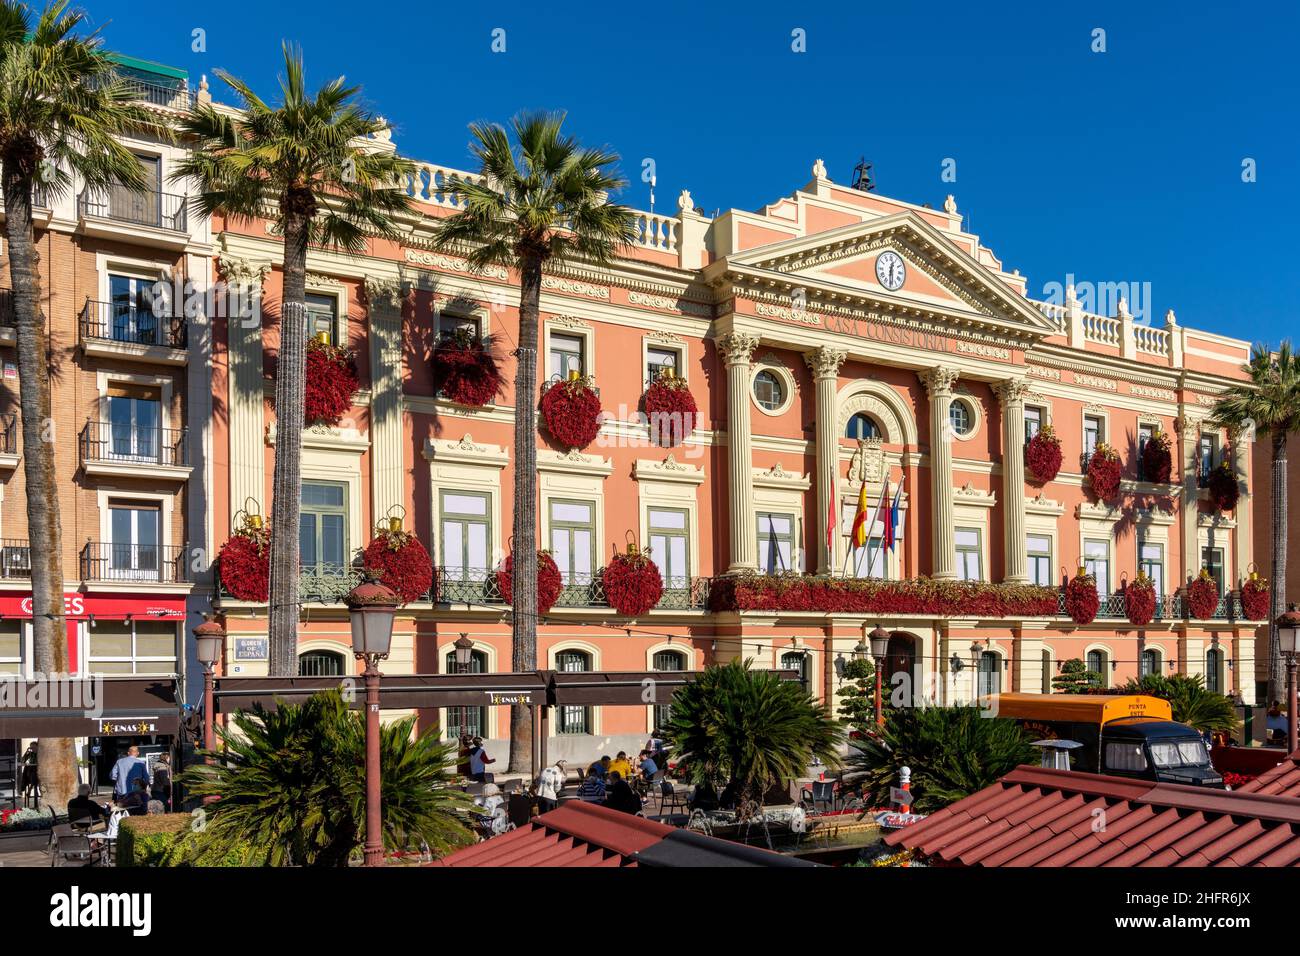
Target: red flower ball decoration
1255	597
1140	600
1224	490
1104	472
1203	597
1043	454
1081	599
331	381
633	584
401	562
465	370
571	411
549	582
245	565
671	408
1158	459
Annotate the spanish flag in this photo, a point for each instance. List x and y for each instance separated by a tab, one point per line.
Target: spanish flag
858	536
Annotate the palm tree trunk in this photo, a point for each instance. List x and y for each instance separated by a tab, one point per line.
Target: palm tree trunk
286	500
523	581
1277	598
57	763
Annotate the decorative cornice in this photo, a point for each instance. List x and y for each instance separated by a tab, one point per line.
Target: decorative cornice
968	494
670	469
465	451
778	477
568	322
1038	505
573	462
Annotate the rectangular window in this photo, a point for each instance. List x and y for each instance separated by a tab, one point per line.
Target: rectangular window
775	542
322	316
134	312
969	561
573	539
134	541
670	544
866	562
131	647
572	719
11	647
139	206
1039	548
1092	434
1151	562
466	535
1212	560
134	422
322	528
1033	422
1144	435
565	354
657	359
1206	456
449	323
1096	560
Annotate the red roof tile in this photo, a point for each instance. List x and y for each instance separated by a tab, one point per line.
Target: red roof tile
1039	817
1282	781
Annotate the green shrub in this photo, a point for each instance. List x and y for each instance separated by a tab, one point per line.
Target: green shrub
167	840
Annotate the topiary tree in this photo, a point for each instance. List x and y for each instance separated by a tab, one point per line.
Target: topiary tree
858	695
1075	678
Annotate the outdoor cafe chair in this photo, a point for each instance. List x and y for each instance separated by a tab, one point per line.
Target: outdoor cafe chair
820	798
75	848
670	798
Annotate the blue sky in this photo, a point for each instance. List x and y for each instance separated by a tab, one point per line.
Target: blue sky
1122	166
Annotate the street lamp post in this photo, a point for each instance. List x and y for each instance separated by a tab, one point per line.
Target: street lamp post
879	648
209	640
371	607
1287	626
464	653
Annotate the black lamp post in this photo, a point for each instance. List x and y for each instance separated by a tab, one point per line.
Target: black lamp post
879	648
209	641
464	653
1287	626
371	607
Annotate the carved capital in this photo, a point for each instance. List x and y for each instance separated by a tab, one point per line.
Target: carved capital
737	348
938	381
1011	391
384	293
825	362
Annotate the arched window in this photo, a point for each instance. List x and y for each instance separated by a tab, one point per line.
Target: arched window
666	661
1150	663
799	661
959	417
466	720
989	675
1214	670
1097	662
573	720
320	664
862	426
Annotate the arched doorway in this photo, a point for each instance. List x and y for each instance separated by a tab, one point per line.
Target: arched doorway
900	658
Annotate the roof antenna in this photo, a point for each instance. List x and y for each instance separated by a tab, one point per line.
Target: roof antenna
862	180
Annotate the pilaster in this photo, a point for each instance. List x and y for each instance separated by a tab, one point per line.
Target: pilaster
1011	394
737	350
939	382
825	365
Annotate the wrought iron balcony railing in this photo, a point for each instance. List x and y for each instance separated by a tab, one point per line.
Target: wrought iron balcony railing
15	559
9	435
142	208
7	316
110	561
1172	607
108	442
479	586
116	322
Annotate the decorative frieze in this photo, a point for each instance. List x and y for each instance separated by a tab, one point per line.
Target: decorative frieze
1147	391
783	312
440	260
667	303
985	351
1096	381
573	287
1039	371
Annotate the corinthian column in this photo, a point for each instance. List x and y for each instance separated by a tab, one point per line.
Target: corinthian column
825	365
938	382
737	350
1011	393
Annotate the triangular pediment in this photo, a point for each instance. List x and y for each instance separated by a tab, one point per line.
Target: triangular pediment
939	275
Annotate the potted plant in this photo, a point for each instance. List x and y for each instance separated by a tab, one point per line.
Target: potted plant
25	829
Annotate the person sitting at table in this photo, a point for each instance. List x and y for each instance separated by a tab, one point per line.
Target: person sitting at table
136	803
592	789
600	768
621	765
648	766
620	796
83	810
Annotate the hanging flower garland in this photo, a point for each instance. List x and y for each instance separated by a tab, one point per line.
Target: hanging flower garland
1203	596
633	584
1255	596
1104	472
549	582
465	370
1140	600
400	560
1157	459
571	411
671	408
808	592
331	381
1224	490
1081	599
244	562
1043	454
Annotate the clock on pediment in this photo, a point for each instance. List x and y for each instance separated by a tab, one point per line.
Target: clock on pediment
890	270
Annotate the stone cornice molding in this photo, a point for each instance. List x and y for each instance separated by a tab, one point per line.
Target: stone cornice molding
465	451
778	477
968	494
1153	516
669	470
328	438
573	462
1039	505
1098	512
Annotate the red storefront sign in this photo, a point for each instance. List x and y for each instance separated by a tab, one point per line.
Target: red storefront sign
79	607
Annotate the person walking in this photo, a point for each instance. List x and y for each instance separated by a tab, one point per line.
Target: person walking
550	784
129	768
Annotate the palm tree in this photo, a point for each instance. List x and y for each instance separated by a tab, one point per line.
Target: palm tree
543	200
750	729
291	786
953	752
62	108
1270	404
304	164
1192	704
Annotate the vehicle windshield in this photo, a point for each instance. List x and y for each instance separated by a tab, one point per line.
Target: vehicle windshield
1179	753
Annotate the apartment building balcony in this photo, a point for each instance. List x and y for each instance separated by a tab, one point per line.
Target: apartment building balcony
148	217
42	212
174	96
124	450
478	586
8	321
15	560
1172	607
106	562
8	443
116	330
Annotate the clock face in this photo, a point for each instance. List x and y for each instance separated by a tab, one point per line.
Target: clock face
890	270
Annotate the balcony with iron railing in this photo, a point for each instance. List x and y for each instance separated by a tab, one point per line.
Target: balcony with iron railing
15	559
8	441
115	329
1172	607
124	449
146	563
121	204
8	318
